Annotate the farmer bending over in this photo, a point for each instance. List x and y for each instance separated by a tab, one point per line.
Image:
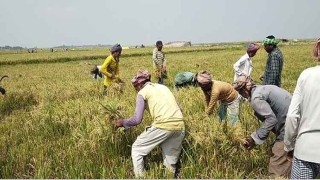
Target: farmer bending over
270	104
218	90
184	79
95	71
167	129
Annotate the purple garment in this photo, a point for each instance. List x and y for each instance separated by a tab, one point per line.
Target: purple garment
138	114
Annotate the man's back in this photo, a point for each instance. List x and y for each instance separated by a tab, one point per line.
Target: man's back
267	100
162	106
184	77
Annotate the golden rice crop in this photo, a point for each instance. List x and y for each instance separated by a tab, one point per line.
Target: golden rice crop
55	122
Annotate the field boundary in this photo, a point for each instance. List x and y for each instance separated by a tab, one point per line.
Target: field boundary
93	57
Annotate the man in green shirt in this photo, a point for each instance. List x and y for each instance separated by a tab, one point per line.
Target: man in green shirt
184	79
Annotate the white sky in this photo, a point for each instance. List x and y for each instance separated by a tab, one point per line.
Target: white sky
48	23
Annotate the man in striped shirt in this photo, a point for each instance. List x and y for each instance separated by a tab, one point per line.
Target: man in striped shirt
159	62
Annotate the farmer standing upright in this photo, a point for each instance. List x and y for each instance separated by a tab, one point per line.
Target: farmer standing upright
110	67
302	132
159	62
244	65
272	74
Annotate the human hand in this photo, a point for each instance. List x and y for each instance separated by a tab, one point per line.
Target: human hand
249	143
290	156
261	77
118	123
164	68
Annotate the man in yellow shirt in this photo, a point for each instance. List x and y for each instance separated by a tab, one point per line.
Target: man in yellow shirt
219	91
167	129
110	67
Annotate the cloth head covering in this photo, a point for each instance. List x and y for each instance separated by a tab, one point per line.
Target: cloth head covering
316	49
141	77
115	48
94	68
242	82
253	47
204	77
270	40
159	43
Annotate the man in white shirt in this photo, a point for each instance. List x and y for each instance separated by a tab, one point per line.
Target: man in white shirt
302	127
244	65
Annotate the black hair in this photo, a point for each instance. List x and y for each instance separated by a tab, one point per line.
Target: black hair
2	90
271	37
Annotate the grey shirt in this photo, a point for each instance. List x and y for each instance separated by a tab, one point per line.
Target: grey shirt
270	104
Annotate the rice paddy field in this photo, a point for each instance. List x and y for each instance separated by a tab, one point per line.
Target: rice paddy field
55	122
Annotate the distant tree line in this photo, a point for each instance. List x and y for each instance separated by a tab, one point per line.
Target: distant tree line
11	48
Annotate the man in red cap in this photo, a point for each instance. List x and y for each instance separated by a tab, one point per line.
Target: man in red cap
244	65
167	129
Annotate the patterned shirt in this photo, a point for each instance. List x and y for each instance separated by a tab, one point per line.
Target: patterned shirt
158	58
272	74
